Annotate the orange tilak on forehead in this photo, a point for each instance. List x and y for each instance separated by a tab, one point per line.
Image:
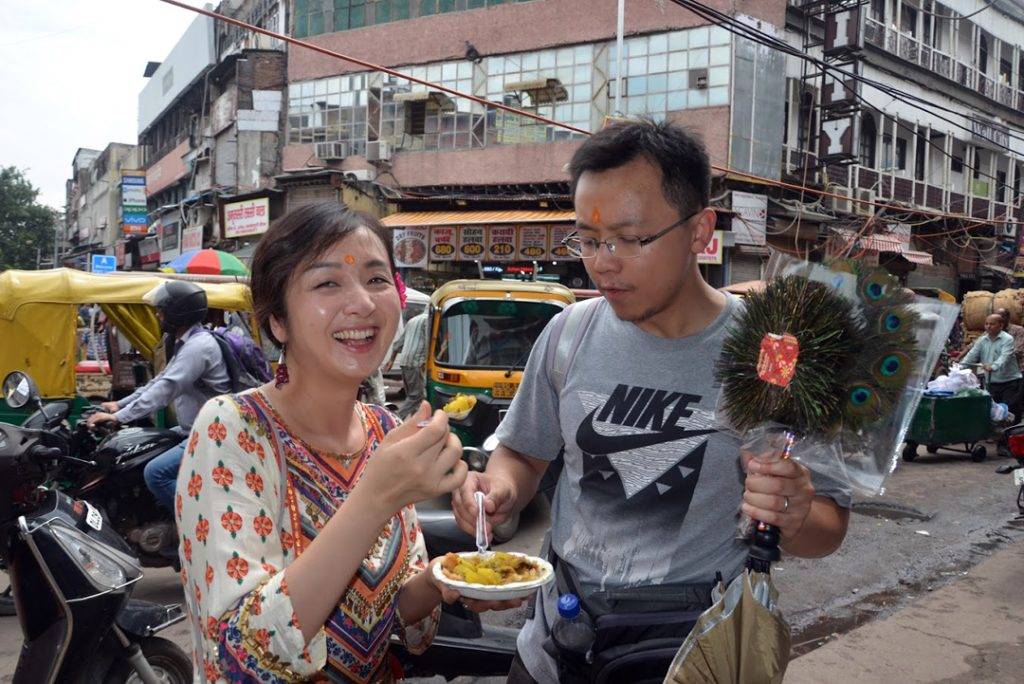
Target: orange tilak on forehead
595	216
349	259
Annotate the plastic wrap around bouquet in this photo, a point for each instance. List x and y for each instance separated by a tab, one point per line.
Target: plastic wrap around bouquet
835	359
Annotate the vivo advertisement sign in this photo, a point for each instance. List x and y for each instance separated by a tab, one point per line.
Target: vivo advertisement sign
133	203
194	52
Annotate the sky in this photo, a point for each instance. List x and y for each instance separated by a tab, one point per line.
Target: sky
72	72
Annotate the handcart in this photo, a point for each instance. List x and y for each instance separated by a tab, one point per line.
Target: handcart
942	421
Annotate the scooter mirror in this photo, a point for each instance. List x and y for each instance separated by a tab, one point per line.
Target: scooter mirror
19	389
491	443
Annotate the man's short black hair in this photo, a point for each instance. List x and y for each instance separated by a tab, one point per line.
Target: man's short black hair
680	154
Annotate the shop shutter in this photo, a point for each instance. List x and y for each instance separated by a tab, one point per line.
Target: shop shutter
302	195
744	267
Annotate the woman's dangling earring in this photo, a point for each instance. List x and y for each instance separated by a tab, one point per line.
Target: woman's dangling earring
281	376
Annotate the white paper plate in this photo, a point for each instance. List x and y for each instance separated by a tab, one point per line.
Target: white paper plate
504	592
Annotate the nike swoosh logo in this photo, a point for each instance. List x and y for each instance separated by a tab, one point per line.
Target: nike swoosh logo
592	442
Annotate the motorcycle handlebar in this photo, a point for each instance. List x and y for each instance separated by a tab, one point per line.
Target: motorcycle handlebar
40	451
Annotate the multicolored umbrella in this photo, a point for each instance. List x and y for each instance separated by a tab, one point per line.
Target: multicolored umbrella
208	262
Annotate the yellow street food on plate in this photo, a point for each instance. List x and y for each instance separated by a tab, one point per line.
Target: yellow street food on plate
461	403
495	569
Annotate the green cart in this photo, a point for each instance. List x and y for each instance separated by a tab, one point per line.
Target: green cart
941	422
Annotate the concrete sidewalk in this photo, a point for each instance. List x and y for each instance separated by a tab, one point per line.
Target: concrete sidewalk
969	631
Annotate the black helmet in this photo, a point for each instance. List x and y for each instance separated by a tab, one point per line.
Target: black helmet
181	303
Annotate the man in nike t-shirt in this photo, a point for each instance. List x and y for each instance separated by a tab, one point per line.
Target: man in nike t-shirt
650	491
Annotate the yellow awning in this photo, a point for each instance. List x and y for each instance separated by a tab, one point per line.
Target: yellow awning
408	219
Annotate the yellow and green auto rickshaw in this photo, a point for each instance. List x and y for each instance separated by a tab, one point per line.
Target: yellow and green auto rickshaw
481	334
39	315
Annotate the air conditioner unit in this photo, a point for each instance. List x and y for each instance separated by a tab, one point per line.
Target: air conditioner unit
842	204
359	174
330	151
378	150
864	207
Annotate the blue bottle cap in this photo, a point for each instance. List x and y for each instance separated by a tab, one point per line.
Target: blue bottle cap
568	606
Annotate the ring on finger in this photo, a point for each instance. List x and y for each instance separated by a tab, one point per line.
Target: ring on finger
785	504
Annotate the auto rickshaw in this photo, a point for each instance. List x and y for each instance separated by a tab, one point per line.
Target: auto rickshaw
39	313
481	334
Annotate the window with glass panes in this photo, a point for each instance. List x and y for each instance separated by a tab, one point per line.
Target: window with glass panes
329	110
656	71
573	67
458	124
313	17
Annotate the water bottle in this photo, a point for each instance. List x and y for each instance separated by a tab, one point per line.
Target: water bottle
573	634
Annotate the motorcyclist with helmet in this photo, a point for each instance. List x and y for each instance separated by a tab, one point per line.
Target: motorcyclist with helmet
195	372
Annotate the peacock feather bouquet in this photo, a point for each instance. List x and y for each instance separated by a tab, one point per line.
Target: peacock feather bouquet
832	354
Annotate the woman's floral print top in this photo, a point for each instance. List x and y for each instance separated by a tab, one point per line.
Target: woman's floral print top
250	497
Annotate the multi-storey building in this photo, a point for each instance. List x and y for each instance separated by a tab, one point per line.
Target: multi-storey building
94	215
452	163
934	124
210	122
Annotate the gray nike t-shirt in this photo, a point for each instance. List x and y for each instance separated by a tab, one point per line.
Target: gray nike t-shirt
649	492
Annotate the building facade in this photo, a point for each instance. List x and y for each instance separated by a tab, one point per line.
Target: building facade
210	128
933	124
94	209
555	58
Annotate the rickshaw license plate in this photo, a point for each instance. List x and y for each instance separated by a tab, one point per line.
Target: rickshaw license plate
505	390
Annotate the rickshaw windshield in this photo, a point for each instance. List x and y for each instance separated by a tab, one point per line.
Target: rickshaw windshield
481	333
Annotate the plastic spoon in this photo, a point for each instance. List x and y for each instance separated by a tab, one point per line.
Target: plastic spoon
481	528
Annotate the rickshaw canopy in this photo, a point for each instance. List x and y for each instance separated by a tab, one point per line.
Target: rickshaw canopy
38	313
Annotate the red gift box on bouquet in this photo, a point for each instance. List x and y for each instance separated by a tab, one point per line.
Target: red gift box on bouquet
776	363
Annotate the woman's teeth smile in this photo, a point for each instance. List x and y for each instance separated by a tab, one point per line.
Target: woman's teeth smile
356	339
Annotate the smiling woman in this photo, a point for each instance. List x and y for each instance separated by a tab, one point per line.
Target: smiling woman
308	561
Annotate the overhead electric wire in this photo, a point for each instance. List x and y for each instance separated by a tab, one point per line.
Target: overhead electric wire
530	115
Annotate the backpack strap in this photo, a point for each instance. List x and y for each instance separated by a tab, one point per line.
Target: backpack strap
568	333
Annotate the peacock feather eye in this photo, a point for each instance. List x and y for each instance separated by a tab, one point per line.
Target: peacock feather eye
863	402
892	322
892	369
877	284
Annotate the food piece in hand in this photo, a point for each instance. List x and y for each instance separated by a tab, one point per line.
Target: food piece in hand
495	569
460	405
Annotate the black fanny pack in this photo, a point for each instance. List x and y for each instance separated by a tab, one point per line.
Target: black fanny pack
637	630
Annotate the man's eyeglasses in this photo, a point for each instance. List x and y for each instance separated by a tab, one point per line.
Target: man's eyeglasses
622	246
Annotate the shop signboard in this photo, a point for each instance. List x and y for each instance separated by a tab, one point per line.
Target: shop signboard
169	244
748	225
133	202
410	246
533	243
248	217
712	254
559	232
443	243
501	243
471	243
191	238
149	253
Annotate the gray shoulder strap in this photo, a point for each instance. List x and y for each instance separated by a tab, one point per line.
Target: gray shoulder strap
565	340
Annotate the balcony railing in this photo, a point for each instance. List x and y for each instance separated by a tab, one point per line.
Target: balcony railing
975	200
910	49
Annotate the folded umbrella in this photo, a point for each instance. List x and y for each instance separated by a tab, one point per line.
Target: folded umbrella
742	637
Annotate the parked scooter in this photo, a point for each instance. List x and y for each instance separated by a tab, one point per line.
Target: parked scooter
105	467
72	574
1015	443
